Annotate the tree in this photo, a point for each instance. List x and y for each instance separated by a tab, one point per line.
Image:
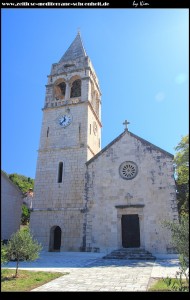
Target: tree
24	183
25	217
182	174
180	240
180	231
3	253
180	235
22	246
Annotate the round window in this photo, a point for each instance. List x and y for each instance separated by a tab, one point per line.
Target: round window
128	170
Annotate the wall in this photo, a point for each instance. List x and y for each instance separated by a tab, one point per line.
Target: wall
11	203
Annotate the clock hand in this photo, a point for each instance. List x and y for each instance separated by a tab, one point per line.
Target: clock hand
62	121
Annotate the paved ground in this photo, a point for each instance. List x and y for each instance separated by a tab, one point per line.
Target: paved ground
90	272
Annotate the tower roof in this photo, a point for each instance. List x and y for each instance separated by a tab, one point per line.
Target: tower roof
75	50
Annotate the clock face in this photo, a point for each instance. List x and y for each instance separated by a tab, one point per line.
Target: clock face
64	120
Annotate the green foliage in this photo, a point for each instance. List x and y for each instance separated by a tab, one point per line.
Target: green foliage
178	285
180	235
181	284
24	183
180	239
182	159
4	257
167	285
182	173
25	217
22	246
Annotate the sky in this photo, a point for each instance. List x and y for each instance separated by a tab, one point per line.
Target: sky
140	57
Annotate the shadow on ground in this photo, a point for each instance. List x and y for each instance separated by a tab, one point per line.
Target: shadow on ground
87	260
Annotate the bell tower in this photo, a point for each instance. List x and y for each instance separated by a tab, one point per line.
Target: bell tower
70	136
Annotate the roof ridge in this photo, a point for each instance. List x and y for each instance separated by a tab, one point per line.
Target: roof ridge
133	135
75	50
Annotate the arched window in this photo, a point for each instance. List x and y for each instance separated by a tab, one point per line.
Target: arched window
62	86
76	88
59	90
60	172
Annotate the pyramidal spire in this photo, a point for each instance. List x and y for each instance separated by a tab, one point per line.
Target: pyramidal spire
75	50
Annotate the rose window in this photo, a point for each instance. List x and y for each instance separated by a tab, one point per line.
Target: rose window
128	170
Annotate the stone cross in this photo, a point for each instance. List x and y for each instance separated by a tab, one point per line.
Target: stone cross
128	197
126	123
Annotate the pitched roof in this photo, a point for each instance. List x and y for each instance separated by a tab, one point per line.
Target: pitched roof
10	182
145	142
75	50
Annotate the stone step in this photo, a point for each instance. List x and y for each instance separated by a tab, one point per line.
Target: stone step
130	253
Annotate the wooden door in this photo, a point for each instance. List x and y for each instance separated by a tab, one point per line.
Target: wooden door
130	231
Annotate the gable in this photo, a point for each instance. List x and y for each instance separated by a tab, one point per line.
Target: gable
144	142
5	180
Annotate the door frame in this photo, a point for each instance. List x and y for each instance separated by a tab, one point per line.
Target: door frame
130	211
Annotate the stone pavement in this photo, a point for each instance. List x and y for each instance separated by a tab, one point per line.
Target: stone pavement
89	272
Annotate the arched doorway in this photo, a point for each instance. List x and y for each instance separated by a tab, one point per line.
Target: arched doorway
55	239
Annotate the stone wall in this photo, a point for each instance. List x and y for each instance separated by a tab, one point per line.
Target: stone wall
70	220
11	203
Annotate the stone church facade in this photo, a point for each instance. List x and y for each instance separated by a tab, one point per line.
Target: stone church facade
88	199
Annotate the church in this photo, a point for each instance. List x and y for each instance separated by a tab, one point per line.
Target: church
92	199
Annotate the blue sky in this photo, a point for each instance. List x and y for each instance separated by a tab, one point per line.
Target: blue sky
140	57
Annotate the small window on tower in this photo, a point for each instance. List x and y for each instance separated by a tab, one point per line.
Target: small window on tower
60	172
97	107
47	131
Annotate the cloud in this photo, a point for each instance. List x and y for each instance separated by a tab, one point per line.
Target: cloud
160	96
180	78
